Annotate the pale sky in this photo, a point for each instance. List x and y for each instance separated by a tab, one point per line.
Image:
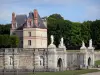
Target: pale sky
73	10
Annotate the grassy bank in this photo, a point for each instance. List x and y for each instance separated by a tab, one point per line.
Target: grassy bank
97	62
74	72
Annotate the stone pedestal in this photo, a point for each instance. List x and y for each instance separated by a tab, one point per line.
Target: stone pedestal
37	60
91	51
52	58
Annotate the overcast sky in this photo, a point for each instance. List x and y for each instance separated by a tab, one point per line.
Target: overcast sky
74	10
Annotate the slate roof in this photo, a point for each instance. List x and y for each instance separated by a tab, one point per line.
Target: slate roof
41	25
21	21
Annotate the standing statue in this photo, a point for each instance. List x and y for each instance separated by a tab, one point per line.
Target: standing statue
90	43
52	39
62	41
83	44
83	47
62	45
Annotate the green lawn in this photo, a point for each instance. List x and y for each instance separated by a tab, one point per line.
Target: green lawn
97	62
74	72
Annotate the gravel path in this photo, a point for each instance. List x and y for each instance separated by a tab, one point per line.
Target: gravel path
95	73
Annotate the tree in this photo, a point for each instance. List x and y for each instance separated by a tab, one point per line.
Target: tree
59	28
4	41
86	31
95	33
56	16
76	35
14	41
5	29
7	41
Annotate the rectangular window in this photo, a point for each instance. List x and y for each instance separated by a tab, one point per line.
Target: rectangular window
29	42
29	33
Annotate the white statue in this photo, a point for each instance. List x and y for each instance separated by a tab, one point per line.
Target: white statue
52	45
62	41
83	44
90	43
62	45
52	39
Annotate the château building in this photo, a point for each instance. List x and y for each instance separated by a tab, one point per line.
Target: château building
31	30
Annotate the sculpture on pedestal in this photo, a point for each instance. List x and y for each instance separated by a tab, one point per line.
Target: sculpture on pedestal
61	45
52	42
90	43
83	46
62	42
52	39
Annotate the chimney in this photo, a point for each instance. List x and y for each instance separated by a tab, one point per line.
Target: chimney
13	20
13	16
36	17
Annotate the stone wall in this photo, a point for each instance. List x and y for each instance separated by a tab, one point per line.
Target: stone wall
75	59
25	62
97	55
1	61
44	59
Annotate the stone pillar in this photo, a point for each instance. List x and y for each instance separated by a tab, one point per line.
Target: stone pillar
65	61
52	56
83	49
62	46
91	52
37	60
52	59
86	60
16	63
